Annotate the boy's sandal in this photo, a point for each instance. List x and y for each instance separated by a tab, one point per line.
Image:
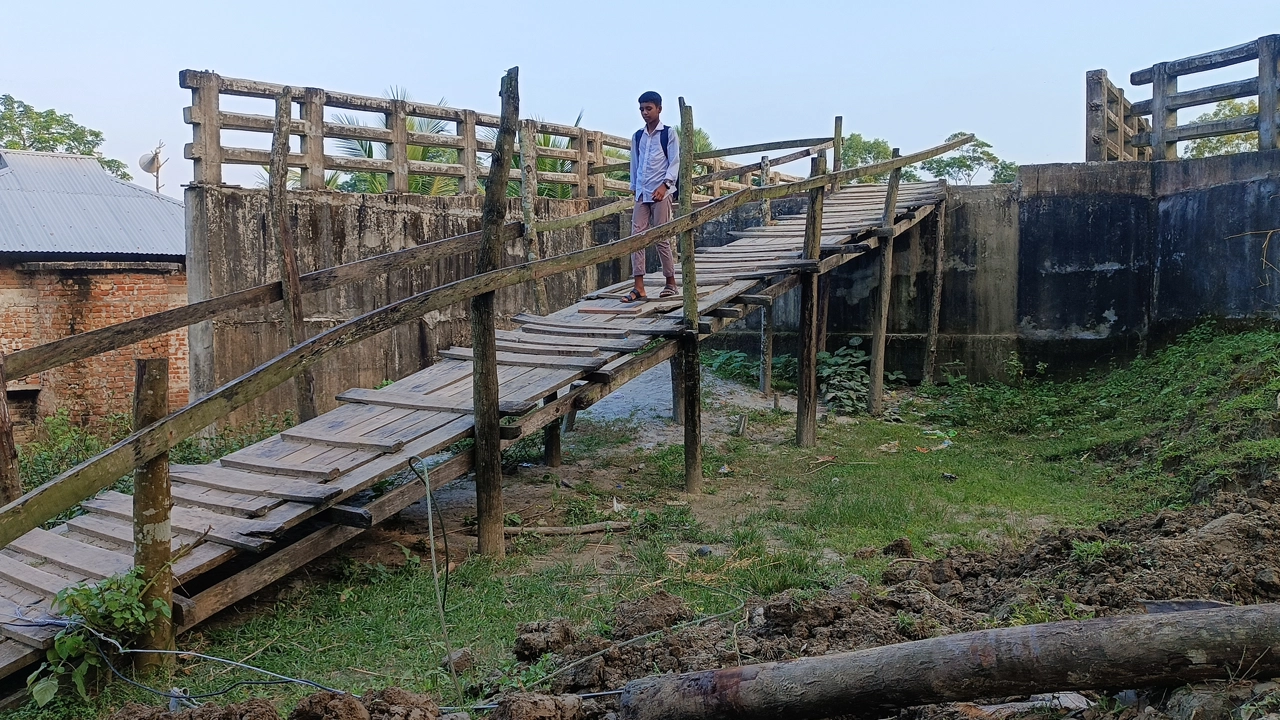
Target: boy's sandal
668	291
634	296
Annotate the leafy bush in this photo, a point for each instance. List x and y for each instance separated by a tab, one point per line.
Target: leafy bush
64	445
112	607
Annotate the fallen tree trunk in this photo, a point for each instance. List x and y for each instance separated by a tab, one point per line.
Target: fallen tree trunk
1115	652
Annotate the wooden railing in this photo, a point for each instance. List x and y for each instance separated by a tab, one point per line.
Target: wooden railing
144	444
1166	100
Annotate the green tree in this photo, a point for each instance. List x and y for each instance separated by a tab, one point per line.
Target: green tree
367	182
23	127
858	151
1225	144
964	164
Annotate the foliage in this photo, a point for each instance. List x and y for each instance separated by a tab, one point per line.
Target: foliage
1178	424
112	607
858	150
366	182
843	378
963	164
1225	144
22	127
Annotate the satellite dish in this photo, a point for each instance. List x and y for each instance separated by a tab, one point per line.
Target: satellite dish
150	162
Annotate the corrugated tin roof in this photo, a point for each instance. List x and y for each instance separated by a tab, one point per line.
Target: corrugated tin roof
58	203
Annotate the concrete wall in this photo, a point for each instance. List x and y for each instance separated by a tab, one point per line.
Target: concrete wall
226	253
45	301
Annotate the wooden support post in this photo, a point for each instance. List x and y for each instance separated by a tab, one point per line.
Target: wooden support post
807	387
1163	120
10	481
580	165
528	200
466	130
152	501
677	388
766	349
313	139
935	299
488	449
1268	92
879	331
551	453
692	379
837	162
766	208
824	306
280	236
1095	115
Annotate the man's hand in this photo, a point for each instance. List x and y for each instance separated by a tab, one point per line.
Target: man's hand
659	193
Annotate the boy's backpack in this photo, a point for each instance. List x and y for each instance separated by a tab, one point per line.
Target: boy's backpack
663	136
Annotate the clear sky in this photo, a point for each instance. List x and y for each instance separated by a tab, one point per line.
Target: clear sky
753	70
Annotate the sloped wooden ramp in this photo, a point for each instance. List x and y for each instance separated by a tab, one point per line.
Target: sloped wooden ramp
257	514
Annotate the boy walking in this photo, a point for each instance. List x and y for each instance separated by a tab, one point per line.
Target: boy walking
655	163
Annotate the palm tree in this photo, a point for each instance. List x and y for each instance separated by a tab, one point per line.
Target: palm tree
562	191
367	182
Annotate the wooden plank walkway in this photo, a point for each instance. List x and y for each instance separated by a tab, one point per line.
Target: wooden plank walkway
259	499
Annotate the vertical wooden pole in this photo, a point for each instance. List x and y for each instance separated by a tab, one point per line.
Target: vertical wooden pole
398	152
689	338
467	153
837	149
10	481
551	453
677	388
152	501
1163	120
280	237
488	448
824	306
1095	116
766	349
807	389
580	165
766	208
528	199
313	138
1268	92
875	385
935	300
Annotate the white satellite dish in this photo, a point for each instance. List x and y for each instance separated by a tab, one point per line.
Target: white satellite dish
150	162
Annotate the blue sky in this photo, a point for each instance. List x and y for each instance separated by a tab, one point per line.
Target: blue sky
1012	72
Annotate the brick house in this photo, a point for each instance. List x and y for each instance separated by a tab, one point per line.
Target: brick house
79	250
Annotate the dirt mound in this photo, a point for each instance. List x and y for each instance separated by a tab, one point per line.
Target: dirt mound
1225	550
394	703
655	612
330	706
535	639
531	706
256	709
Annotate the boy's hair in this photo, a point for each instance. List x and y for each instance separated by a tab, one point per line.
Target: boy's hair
651	97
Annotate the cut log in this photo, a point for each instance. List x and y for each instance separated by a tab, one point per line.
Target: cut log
1133	651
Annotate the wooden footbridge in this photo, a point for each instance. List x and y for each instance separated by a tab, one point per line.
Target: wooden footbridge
247	520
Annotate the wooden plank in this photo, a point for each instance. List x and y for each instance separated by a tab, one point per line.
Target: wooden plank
1203	96
30	578
222	501
10	482
547	349
529	360
15	656
19	602
240	533
92	561
389	398
344	441
200	556
273	486
63	492
1269	92
654	327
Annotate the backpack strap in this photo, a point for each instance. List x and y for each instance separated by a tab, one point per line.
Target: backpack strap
664	138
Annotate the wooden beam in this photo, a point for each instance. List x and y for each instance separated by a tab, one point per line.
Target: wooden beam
466	129
10	480
807	387
875	384
1199	63
152	529
392	398
935	297
691	365
1095	115
1268	92
528	202
488	447
280	235
766	348
1164	144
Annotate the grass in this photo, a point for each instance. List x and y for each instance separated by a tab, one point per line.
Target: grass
1032	454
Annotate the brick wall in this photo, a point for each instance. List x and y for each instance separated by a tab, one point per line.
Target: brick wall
44	301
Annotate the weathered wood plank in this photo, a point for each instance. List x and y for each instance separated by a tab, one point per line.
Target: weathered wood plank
424	402
89	560
240	533
1200	63
200	555
274	486
529	360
